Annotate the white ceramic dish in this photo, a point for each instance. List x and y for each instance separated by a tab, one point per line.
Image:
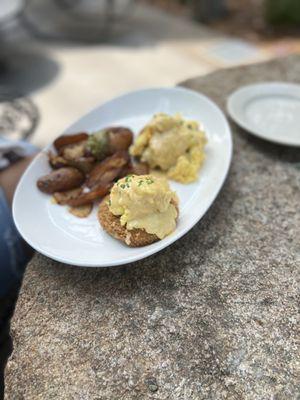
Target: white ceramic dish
270	111
53	231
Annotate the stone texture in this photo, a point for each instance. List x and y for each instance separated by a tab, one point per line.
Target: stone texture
214	316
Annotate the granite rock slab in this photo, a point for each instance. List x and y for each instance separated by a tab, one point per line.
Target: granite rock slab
214	316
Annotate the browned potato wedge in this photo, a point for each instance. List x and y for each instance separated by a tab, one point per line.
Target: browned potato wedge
108	170
74	151
140	169
63	197
108	141
60	180
135	168
81	211
119	138
84	164
88	197
56	161
65	140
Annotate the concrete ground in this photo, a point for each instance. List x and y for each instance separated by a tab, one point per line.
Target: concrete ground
149	48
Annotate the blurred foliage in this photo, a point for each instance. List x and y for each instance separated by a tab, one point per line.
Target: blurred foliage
283	11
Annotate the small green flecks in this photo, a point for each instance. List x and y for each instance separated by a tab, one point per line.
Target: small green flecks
128	178
123	186
109	202
140	182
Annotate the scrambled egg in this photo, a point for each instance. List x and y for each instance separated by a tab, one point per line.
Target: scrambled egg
173	145
145	202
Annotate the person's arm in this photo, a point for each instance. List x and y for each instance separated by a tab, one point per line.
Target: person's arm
14	159
10	177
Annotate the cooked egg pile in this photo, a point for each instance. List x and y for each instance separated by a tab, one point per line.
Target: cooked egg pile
173	145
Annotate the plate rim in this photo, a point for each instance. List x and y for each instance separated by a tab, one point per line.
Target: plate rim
236	117
160	245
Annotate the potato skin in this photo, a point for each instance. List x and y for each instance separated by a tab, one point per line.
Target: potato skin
108	169
119	139
88	198
135	168
60	180
65	140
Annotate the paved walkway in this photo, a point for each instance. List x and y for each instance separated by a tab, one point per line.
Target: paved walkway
152	49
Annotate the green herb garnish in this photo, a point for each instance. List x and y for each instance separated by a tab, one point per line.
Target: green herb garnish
97	144
128	178
149	181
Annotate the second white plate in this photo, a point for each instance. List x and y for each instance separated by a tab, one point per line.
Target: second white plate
53	231
270	111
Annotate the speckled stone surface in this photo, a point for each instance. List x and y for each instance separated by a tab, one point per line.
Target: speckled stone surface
214	316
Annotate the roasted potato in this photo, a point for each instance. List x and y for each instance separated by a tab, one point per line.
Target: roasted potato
60	180
81	211
65	140
108	170
74	151
119	138
139	168
135	168
108	141
56	161
84	164
63	197
78	178
88	197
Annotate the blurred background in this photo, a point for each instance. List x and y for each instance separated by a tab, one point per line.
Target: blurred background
60	58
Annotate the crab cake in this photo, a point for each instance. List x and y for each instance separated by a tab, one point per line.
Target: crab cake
140	210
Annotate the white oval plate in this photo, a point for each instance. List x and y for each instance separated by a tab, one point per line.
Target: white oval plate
53	231
270	111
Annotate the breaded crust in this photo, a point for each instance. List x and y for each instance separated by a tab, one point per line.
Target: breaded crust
111	224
